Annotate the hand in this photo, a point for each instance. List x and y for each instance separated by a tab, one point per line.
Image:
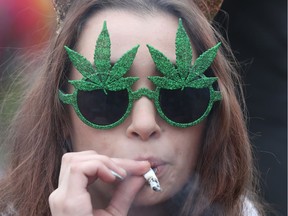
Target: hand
79	169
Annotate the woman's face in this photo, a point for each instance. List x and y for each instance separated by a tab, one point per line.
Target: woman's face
143	135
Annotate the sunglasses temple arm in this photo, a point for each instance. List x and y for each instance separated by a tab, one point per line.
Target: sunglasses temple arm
217	96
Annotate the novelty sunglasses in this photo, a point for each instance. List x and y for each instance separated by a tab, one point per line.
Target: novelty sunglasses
103	98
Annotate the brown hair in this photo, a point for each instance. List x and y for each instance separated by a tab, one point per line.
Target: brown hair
224	173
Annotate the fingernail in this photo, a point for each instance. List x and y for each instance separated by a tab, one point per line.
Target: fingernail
117	175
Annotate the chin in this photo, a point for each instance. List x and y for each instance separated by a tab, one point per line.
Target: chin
148	197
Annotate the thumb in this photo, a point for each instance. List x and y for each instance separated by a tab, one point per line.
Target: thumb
124	195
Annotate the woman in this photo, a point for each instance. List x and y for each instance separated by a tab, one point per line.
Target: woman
66	141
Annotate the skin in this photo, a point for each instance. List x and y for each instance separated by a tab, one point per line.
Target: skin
86	186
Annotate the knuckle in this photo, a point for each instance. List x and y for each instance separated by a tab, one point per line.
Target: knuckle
67	158
75	168
104	159
91	151
55	199
58	202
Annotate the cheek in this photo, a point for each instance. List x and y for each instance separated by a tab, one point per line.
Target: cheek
187	156
80	133
78	130
84	137
188	147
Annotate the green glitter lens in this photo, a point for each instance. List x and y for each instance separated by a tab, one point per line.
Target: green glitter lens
103	98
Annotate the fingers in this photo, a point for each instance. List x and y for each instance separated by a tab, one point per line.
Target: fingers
128	189
124	196
96	166
85	167
79	169
133	167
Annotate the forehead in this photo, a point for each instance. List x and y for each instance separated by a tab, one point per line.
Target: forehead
127	29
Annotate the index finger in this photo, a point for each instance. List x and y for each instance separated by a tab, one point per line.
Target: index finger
133	167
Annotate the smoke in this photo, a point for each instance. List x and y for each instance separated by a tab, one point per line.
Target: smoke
10	211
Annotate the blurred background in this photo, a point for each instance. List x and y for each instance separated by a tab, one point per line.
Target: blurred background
25	27
257	31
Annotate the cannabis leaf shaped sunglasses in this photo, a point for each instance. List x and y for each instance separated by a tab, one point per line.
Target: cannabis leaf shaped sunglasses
103	98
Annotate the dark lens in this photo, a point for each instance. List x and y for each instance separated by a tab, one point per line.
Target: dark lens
100	108
184	106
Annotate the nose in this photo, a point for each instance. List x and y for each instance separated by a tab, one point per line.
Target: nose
143	124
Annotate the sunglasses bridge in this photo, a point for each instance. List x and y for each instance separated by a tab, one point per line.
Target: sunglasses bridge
150	94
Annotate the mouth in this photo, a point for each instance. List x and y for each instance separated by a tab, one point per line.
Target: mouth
157	165
154	169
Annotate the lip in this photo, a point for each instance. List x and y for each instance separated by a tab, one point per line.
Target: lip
155	162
